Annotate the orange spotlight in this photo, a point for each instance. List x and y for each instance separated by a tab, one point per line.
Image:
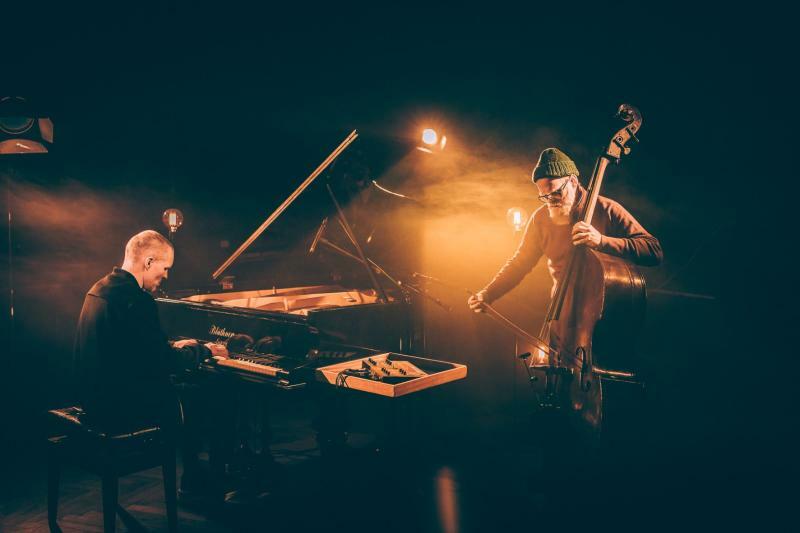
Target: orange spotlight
517	218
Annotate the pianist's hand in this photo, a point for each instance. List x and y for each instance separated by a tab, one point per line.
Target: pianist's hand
217	350
476	303
183	343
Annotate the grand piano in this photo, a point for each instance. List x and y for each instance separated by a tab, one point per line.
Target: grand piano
279	336
300	338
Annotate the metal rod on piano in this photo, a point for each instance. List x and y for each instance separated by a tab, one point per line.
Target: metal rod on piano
375	265
399	284
352	237
345	253
246	244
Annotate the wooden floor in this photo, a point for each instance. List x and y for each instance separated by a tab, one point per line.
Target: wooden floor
23	505
319	497
474	481
80	510
311	500
371	491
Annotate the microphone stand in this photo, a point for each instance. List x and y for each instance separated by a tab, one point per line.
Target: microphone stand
352	237
404	287
370	265
318	235
11	319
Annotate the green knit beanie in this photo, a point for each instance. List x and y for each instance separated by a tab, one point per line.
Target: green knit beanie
553	163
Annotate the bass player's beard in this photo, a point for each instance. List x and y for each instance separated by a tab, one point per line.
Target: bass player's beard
559	213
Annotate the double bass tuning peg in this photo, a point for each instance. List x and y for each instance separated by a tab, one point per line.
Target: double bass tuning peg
628	113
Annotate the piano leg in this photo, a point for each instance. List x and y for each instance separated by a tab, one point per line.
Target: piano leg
241	452
265	474
205	415
331	421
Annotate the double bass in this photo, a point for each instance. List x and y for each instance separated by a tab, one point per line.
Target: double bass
591	328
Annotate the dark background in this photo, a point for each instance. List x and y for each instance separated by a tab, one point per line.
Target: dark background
221	112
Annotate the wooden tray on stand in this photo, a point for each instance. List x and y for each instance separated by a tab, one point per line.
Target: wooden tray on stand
436	373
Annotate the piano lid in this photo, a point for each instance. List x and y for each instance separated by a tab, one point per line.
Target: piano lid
383	221
286	203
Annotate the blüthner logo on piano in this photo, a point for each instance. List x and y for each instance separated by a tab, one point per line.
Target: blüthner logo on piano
220	332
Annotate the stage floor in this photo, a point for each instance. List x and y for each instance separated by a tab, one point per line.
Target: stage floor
473	481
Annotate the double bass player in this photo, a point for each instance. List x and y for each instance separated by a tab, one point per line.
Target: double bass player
554	229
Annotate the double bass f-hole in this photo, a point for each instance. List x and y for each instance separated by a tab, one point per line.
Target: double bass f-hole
585	356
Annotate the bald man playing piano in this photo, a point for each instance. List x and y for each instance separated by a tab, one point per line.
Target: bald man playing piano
122	359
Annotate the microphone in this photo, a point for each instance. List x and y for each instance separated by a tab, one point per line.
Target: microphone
425	277
318	236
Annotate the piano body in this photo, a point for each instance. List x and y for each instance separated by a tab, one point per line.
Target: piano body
278	336
292	330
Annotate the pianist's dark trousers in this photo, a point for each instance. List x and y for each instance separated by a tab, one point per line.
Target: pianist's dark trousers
179	413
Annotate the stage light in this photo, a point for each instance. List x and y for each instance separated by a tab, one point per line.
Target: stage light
173	219
517	218
432	142
429	137
21	130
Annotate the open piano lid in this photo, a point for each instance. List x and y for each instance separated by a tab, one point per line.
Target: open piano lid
340	270
286	203
292	282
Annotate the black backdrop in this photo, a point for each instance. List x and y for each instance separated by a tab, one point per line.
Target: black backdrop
221	111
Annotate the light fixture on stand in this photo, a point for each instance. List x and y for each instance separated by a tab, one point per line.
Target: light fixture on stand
517	218
22	131
173	219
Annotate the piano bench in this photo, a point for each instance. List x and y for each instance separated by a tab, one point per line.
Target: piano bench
109	455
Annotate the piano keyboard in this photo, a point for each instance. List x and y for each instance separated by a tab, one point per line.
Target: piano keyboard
250	366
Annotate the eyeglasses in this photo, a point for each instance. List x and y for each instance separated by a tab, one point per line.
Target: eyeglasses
555	195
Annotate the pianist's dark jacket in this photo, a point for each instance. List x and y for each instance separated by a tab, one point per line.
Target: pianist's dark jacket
122	358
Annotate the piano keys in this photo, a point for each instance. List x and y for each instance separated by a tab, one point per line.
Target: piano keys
305	327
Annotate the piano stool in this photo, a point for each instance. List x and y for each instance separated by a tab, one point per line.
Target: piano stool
110	456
